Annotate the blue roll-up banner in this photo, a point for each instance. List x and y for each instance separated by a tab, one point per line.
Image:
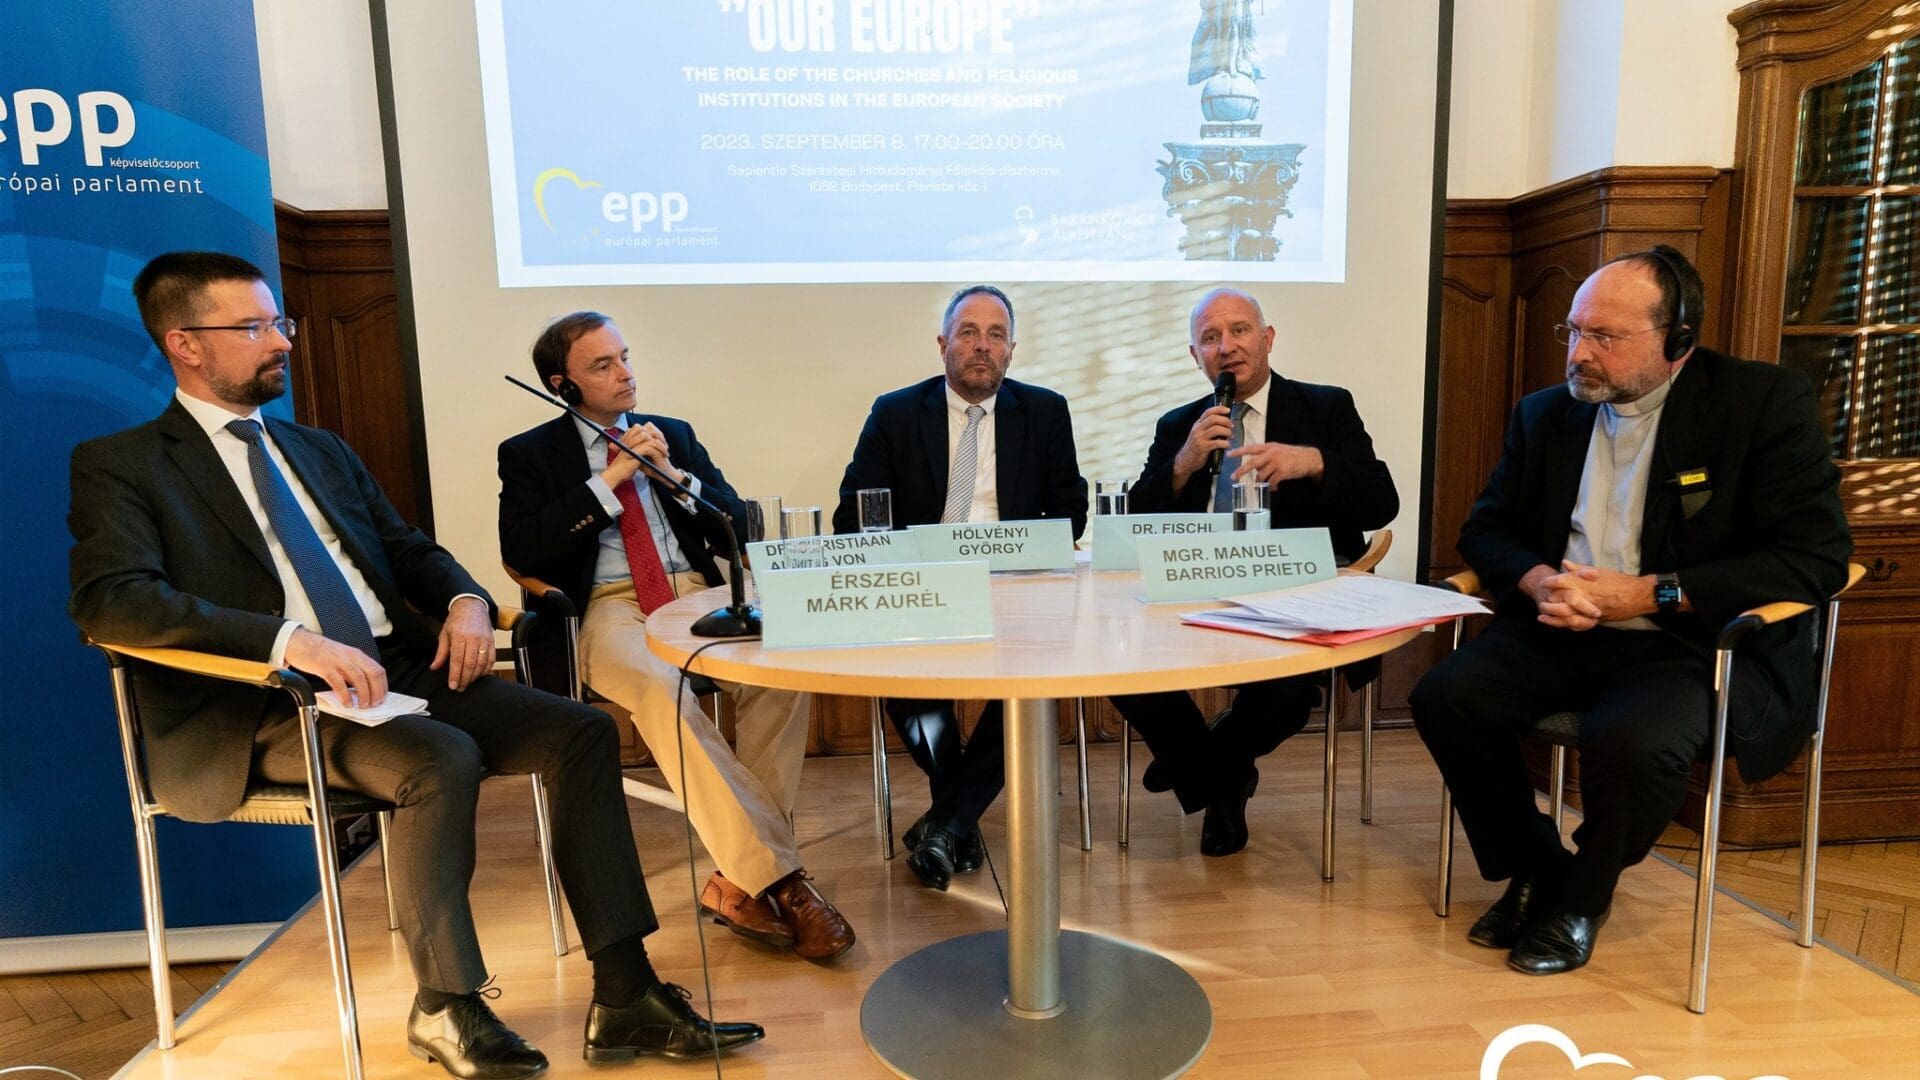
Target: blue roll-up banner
127	128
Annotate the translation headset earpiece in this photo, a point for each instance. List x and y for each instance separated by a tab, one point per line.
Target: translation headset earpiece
1680	330
569	391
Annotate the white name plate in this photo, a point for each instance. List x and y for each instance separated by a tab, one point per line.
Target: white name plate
1114	536
850	549
888	605
1233	564
1006	545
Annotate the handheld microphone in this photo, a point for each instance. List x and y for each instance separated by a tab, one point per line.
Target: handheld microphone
1222	395
737	619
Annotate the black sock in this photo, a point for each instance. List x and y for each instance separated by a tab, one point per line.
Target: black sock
622	974
430	1000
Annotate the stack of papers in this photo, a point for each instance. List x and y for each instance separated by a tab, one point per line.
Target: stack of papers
1349	608
394	704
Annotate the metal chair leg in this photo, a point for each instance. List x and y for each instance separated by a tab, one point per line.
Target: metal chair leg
1369	695
1810	810
149	856
1443	894
384	821
330	897
543	825
1080	744
1126	782
1326	781
1557	785
882	784
1710	834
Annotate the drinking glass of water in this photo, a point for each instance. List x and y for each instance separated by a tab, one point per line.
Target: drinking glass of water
800	528
1110	497
1250	508
876	509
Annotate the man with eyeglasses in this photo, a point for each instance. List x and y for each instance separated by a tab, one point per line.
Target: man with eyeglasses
966	445
214	528
1665	489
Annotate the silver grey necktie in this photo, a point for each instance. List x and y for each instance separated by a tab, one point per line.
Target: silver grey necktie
963	469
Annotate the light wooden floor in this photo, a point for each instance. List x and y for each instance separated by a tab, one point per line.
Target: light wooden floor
1352	979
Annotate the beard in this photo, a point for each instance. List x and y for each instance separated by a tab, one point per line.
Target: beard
268	382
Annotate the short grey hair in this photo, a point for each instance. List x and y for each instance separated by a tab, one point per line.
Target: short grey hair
1216	294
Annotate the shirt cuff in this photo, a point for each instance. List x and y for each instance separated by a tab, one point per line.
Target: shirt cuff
463	596
605	494
693	485
278	657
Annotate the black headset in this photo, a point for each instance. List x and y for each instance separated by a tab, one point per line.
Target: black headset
569	391
1681	335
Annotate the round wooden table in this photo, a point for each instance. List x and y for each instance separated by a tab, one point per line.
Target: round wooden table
1031	1001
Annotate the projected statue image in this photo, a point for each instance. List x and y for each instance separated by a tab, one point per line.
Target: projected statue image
1231	187
1225	41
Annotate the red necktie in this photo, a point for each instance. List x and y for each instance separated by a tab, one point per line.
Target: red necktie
643	559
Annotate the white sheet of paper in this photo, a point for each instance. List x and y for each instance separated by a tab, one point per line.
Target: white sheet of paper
1358	602
394	704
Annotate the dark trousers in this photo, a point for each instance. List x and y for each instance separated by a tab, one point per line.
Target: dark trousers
430	768
965	779
1209	764
1645	700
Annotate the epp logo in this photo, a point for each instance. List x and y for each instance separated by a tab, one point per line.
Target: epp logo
636	209
1526	1034
42	118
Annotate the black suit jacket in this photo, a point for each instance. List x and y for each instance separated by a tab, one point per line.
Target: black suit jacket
166	553
551	521
1772	527
1355	494
904	447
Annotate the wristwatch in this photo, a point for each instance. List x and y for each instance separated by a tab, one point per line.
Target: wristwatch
1666	593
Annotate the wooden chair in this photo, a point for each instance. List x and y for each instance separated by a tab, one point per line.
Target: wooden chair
1368	560
1562	730
313	805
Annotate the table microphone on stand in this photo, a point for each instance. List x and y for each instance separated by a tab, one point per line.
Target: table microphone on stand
738	619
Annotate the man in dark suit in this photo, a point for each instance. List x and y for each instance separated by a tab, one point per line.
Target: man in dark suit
1308	444
580	515
969	445
1663	491
212	528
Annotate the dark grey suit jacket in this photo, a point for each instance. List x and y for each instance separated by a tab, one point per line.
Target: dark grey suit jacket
904	447
166	553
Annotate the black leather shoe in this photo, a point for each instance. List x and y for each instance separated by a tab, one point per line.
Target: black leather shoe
661	1022
1223	830
1559	942
1527	897
470	1042
933	860
1157	777
969	854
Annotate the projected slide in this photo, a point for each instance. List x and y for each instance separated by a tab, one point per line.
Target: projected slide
745	141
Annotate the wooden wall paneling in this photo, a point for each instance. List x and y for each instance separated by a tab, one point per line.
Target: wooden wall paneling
348	373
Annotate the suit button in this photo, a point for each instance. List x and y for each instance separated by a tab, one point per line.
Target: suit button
276	611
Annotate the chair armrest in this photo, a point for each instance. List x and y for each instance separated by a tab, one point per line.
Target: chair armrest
213	665
1753	619
549	596
1466	583
1376	550
518	623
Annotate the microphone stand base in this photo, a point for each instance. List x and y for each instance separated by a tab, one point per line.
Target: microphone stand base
729	622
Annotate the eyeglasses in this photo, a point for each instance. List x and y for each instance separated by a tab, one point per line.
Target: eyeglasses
257	330
1568	334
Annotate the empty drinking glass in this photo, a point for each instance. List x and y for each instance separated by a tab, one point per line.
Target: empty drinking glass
800	528
876	509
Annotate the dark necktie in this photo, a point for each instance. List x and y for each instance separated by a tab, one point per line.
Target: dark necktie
1223	483
341	617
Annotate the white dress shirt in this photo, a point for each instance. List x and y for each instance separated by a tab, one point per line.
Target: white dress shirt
986	486
1253	423
610	562
1612	504
298	611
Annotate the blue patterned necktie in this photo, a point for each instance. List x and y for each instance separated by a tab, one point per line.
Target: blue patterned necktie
340	615
964	470
1223	484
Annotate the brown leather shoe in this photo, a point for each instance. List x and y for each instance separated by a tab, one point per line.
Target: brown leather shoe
744	914
820	932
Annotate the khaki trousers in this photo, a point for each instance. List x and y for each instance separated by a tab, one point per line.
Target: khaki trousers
741	802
